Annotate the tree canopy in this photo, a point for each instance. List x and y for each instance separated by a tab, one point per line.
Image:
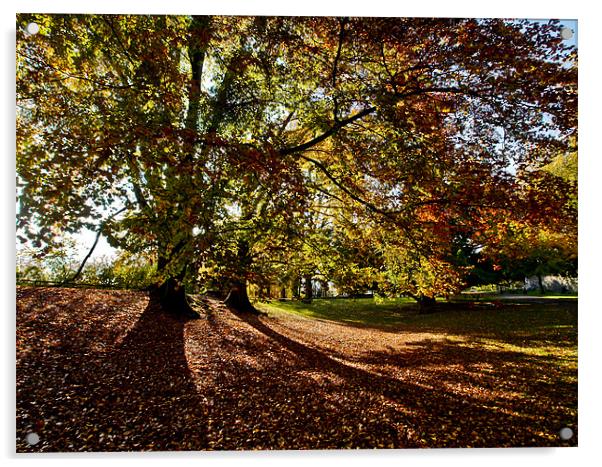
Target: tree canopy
254	149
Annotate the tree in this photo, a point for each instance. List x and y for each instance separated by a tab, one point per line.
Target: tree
416	125
250	245
542	239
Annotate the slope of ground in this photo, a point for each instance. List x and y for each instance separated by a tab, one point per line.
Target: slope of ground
107	370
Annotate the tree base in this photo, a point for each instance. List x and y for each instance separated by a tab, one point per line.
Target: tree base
172	297
238	300
426	304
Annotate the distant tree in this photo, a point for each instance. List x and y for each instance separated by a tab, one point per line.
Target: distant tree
542	240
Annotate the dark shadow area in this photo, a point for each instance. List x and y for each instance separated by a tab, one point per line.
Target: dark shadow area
277	394
529	326
541	381
139	396
533	326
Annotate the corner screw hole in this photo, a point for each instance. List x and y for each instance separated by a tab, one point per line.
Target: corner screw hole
32	439
566	434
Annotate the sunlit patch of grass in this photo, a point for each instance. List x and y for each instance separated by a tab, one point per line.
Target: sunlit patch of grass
563	356
531	330
521	322
537	293
363	311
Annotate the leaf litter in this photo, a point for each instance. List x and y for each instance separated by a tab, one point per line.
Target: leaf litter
102	370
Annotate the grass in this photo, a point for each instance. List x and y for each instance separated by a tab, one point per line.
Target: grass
535	329
552	295
363	311
403	311
514	298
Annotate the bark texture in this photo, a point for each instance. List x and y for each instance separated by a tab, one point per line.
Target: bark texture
238	298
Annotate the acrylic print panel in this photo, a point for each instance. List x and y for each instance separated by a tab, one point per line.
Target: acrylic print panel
316	233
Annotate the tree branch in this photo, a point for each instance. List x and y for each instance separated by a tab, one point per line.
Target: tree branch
440	89
369	110
327	193
98	234
370	206
196	54
391	77
135	175
328	133
109	22
346	190
286	121
343	22
67	74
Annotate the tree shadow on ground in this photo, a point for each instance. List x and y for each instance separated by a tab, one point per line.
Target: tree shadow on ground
424	409
234	382
138	396
522	324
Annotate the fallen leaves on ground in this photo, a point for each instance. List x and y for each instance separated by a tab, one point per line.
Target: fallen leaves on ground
109	371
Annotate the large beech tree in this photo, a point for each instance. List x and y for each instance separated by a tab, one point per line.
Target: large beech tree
168	132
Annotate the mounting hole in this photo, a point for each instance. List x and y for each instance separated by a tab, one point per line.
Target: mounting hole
566	433
32	28
566	33
32	439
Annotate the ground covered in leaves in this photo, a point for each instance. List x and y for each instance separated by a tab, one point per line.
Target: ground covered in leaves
109	371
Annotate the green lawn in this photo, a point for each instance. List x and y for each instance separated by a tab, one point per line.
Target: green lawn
403	311
544	329
363	311
552	295
468	297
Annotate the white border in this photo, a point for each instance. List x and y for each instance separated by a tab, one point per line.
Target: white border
589	233
457	8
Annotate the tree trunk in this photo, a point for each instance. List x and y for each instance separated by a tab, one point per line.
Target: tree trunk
238	298
540	282
283	292
296	287
308	289
172	292
324	288
172	297
425	303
